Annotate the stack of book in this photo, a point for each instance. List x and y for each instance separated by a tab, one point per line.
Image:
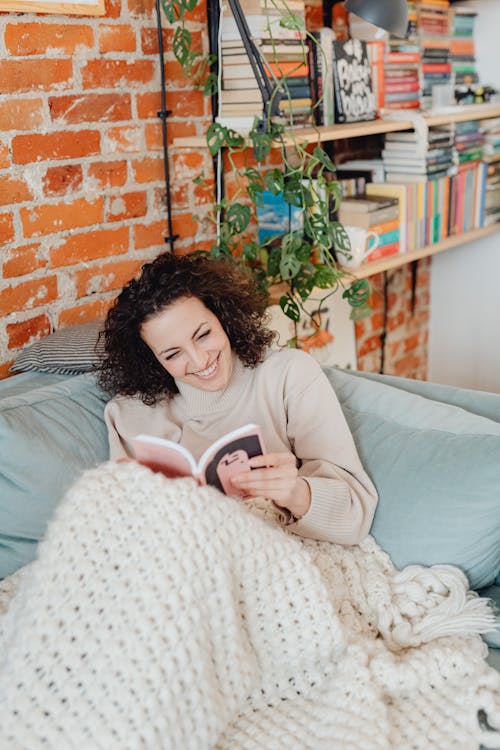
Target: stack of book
321	74
469	141
434	31
491	133
402	74
375	213
284	50
409	157
463	53
491	209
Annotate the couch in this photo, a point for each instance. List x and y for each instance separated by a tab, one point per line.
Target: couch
433	452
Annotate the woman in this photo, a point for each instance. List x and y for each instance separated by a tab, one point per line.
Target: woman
187	358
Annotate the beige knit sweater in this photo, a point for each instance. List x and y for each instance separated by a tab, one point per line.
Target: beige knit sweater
289	396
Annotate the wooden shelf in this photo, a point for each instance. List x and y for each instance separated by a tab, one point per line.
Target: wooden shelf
362	129
395	261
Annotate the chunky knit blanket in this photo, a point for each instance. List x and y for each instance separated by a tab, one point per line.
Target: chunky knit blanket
160	615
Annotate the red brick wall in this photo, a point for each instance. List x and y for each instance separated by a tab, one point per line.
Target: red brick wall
81	174
81	167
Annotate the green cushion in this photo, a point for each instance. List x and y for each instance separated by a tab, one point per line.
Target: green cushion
48	435
437	471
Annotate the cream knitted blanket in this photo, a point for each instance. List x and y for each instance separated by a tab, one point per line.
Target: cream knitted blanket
163	616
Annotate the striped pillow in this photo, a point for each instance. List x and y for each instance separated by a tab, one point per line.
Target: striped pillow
69	351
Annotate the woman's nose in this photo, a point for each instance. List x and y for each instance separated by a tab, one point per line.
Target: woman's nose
198	359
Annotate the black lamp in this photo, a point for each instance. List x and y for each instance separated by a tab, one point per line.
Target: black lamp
391	15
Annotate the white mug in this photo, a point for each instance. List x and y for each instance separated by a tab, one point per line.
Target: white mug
359	242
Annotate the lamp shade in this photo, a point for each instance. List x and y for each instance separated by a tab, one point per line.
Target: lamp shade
391	15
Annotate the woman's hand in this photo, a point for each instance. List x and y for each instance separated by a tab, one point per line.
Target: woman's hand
275	476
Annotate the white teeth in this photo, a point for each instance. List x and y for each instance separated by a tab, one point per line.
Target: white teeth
209	371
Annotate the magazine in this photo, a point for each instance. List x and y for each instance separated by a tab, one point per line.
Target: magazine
222	460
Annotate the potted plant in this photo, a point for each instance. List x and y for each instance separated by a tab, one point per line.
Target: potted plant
296	264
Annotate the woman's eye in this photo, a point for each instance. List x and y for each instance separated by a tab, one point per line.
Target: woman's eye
171	356
203	335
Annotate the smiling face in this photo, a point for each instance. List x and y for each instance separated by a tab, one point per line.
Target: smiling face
189	342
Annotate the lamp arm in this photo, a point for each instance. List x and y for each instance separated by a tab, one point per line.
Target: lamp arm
263	75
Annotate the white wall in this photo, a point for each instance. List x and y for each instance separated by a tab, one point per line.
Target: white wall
464	335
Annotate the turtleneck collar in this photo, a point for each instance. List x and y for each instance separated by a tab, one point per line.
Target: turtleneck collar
198	402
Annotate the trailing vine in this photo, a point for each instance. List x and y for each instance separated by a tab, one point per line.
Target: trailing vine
298	261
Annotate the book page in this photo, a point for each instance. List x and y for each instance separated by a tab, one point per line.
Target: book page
164	456
229	456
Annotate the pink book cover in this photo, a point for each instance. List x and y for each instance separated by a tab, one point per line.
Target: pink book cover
222	460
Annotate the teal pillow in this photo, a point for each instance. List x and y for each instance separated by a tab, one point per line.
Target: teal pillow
493	593
48	435
437	471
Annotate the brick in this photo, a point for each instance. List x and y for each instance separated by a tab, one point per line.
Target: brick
108	173
17	76
86	313
125	139
28	331
149	39
148	104
21	114
127	206
113	8
154	138
141	8
370	344
90	246
60	216
5	370
185	226
117	74
6	228
119	38
45	39
174	74
90	108
28	294
22	260
181	129
4	156
149	169
148	235
62	180
186	165
412	342
13	190
187	104
104	278
62	145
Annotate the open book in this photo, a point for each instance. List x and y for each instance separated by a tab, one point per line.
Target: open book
222	460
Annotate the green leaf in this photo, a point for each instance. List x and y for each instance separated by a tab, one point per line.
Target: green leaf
274	181
238	217
273	261
173	9
325	277
234	139
296	23
216	137
181	44
289	267
200	180
340	238
261	142
358	293
211	85
290	307
361	312
323	158
251	252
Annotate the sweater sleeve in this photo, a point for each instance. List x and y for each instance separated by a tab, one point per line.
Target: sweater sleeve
343	497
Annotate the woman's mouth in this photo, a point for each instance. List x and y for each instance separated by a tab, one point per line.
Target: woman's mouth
209	371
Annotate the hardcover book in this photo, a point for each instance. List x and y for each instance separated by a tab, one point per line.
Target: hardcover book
352	84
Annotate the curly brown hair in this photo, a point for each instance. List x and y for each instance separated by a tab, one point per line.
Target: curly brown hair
128	366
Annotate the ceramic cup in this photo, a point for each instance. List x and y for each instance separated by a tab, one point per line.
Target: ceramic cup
359	240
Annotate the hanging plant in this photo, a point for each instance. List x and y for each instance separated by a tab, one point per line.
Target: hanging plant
298	262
